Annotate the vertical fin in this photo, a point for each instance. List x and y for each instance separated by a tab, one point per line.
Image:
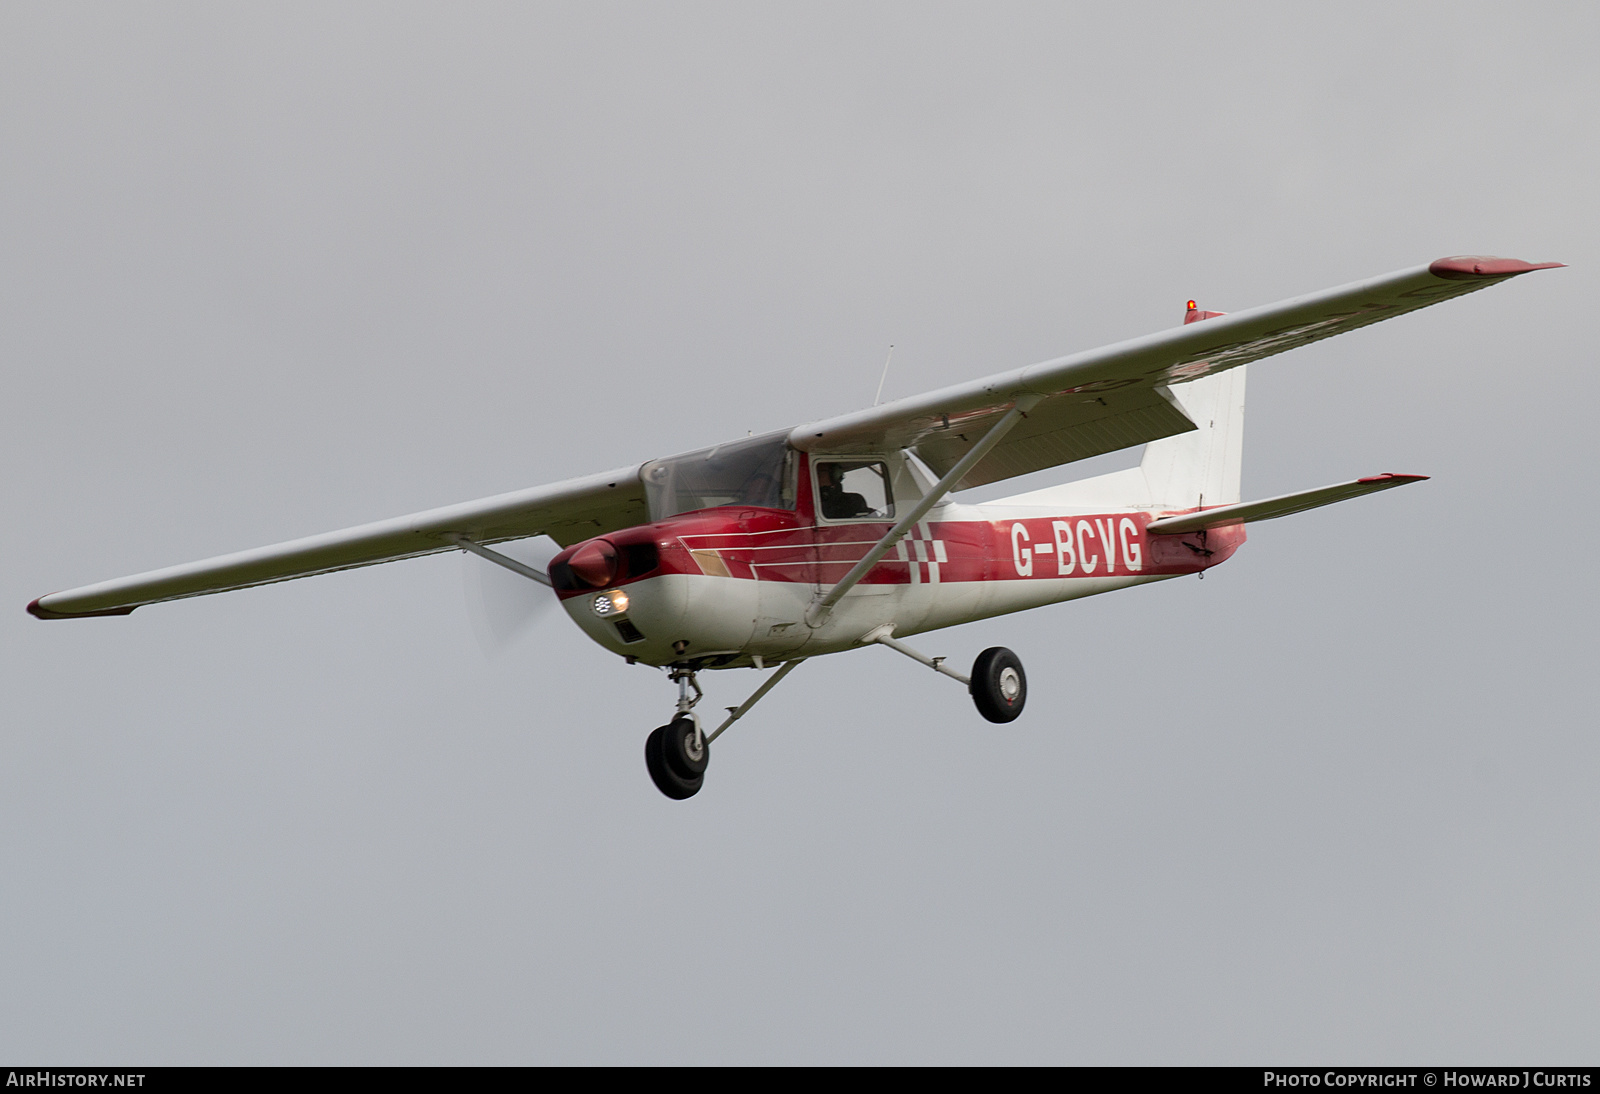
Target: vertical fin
1202	467
1188	471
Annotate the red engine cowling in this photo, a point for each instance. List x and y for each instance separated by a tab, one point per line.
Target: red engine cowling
682	589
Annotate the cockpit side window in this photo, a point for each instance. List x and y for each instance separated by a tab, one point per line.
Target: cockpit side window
854	490
758	472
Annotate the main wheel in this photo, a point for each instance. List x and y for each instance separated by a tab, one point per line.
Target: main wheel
668	781
999	686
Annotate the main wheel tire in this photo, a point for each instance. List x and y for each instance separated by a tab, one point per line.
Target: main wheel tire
999	686
685	748
668	781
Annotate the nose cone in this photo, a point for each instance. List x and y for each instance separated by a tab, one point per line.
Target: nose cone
594	563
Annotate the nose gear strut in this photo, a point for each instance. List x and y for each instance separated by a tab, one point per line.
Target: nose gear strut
676	754
685	680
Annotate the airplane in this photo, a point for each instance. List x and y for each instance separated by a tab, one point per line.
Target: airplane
835	535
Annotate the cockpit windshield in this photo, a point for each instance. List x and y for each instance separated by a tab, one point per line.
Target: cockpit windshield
759	471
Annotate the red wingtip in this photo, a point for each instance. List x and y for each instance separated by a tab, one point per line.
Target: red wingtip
39	611
1470	267
1390	476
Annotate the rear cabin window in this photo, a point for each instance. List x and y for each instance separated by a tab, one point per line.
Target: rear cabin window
854	489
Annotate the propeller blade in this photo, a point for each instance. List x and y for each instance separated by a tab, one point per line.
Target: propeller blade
503	606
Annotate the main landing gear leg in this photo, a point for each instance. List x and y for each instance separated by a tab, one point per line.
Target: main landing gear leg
676	754
998	686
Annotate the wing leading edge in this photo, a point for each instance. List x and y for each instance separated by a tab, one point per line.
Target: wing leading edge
1113	398
566	511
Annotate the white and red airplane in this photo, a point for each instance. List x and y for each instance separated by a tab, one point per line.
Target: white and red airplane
766	551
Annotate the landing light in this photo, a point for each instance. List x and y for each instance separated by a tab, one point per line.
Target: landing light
610	603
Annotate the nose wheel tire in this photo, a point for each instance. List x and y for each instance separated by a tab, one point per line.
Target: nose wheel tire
999	686
676	755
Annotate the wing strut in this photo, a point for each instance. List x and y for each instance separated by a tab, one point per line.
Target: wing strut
1019	410
498	559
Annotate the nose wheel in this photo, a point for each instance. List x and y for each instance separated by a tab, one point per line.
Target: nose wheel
676	755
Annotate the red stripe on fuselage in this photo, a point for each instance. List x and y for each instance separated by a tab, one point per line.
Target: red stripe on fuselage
776	545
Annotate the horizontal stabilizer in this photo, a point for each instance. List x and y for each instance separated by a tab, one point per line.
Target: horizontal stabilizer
1277	507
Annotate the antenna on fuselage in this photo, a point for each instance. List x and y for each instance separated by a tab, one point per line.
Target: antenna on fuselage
878	398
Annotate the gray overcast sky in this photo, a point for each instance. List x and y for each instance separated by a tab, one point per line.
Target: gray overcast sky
271	270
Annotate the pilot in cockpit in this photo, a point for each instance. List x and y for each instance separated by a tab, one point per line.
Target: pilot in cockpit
837	502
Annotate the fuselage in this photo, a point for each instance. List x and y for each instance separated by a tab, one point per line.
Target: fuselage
729	585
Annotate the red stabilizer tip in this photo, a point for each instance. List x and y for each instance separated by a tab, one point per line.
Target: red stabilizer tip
1390	475
1471	267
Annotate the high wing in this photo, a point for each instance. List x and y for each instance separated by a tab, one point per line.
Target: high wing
565	511
1089	403
1116	397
